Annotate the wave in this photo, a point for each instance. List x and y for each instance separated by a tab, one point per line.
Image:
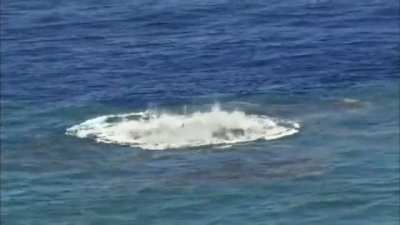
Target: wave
154	130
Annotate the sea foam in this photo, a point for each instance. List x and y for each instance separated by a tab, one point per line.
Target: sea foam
158	131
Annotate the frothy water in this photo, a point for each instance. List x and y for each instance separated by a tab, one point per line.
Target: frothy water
158	131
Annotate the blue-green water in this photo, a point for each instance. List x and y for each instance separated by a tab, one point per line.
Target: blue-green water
331	66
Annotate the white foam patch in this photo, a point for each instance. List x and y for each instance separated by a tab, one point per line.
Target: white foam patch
159	131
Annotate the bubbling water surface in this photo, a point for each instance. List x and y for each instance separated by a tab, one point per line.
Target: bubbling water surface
159	131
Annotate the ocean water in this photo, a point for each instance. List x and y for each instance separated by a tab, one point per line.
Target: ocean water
200	112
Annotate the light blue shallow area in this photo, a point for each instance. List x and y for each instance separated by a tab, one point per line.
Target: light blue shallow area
332	66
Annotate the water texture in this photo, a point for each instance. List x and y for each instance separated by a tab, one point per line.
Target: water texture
306	130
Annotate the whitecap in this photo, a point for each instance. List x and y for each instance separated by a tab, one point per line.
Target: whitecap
159	130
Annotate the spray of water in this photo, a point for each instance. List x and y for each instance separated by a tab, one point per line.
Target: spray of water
158	131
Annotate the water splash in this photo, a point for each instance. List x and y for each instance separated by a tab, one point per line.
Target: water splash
158	131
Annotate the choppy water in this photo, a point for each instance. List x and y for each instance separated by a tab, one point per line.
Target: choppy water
325	72
154	130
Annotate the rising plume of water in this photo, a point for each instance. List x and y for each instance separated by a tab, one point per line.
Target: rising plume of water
155	130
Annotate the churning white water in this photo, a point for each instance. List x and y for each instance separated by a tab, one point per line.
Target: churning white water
158	131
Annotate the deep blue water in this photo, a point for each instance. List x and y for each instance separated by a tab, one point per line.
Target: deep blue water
333	66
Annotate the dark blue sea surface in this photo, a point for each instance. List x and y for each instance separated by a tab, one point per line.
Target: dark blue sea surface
331	65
